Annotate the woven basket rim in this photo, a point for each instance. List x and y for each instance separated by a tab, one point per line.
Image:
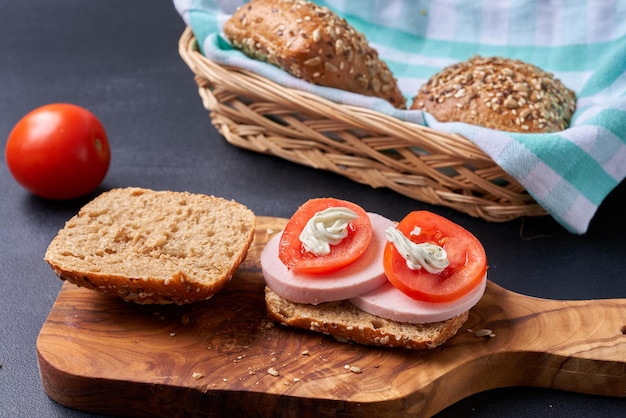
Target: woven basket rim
251	97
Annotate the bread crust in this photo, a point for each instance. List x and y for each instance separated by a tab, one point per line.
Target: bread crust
346	322
153	247
498	93
312	43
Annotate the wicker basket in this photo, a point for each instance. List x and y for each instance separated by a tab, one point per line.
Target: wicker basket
366	146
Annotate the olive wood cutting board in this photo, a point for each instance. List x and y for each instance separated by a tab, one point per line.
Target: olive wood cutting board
223	357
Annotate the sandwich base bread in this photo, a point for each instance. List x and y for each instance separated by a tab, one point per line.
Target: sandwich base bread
498	93
346	323
312	43
153	247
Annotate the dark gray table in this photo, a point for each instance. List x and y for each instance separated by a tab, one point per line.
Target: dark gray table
119	59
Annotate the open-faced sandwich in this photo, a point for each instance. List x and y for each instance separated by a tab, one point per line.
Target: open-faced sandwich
359	277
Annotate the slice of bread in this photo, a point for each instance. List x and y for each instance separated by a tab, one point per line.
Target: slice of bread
346	322
153	247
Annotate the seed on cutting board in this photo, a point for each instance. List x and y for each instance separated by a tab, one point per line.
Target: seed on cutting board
355	369
484	333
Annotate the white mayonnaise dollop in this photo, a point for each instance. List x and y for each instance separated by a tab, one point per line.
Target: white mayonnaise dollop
327	227
431	257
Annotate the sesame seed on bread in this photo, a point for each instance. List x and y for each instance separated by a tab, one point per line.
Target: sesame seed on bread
312	43
498	93
346	322
153	247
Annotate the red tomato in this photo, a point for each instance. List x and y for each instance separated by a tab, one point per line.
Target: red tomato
468	262
58	151
296	258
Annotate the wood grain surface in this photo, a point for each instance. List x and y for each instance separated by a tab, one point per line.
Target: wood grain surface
223	357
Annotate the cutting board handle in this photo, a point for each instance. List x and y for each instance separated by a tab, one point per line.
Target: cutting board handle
577	345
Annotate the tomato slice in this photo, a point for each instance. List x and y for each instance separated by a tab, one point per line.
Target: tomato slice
292	253
468	262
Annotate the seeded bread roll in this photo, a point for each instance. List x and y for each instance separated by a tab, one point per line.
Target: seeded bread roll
498	93
346	322
312	43
153	247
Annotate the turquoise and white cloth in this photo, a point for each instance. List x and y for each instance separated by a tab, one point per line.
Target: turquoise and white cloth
582	42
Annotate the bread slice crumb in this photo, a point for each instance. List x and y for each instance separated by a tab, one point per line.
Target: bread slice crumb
153	247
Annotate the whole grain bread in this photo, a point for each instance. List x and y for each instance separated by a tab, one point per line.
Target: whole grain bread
346	322
312	43
498	93
153	247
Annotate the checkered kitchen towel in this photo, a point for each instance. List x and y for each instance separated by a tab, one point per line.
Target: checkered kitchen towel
583	42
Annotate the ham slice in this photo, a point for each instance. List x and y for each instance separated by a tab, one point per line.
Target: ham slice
388	302
362	276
